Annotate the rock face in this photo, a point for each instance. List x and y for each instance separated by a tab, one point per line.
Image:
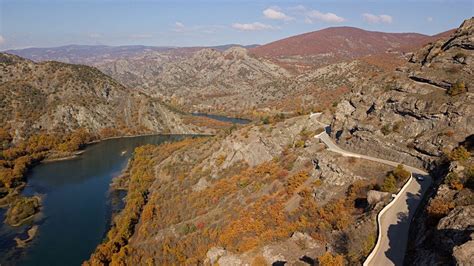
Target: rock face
464	254
413	114
58	97
458	219
456	228
441	234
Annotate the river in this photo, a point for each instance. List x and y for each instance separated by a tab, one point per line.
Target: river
76	207
233	120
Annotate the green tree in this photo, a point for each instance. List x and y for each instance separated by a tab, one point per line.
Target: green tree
459	154
457	88
400	173
454	181
469	174
386	129
266	120
389	184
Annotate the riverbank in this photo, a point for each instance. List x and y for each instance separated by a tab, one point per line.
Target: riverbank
76	154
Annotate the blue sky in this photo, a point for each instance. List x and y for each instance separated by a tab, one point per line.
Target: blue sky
46	23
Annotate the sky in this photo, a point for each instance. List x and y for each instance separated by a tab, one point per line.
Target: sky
50	23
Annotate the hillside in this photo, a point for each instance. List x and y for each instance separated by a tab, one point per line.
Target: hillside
235	83
420	103
58	97
423	115
260	194
209	80
345	42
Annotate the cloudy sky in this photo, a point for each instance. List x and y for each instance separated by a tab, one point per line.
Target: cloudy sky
46	23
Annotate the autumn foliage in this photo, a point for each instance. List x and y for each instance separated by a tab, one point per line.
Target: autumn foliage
142	175
328	259
16	158
438	208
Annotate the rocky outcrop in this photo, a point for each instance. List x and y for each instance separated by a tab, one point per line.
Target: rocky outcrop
456	228
464	254
408	115
375	196
296	249
458	219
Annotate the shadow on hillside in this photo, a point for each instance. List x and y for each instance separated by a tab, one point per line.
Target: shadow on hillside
398	233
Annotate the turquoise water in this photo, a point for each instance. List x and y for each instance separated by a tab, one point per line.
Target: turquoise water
76	204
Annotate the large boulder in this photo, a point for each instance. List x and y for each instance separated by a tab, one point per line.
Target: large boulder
375	196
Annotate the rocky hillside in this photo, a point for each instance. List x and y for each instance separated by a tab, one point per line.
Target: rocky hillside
236	83
415	113
58	97
209	79
423	114
258	195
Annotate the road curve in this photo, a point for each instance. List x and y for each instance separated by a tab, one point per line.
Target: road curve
394	220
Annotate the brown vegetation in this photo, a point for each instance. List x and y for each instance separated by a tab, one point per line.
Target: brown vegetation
141	177
438	208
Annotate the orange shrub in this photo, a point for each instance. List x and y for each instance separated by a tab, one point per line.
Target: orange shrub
295	181
327	259
439	208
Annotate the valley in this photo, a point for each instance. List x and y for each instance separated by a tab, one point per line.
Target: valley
340	146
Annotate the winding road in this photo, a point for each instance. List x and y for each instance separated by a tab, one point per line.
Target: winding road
394	220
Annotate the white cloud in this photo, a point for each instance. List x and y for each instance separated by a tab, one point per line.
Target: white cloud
274	13
256	26
313	15
429	19
2	40
371	18
326	17
179	27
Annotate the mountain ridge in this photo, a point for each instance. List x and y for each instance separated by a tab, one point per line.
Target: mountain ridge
329	40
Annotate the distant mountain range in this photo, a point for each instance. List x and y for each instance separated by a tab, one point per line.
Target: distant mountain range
81	54
329	45
346	42
236	80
